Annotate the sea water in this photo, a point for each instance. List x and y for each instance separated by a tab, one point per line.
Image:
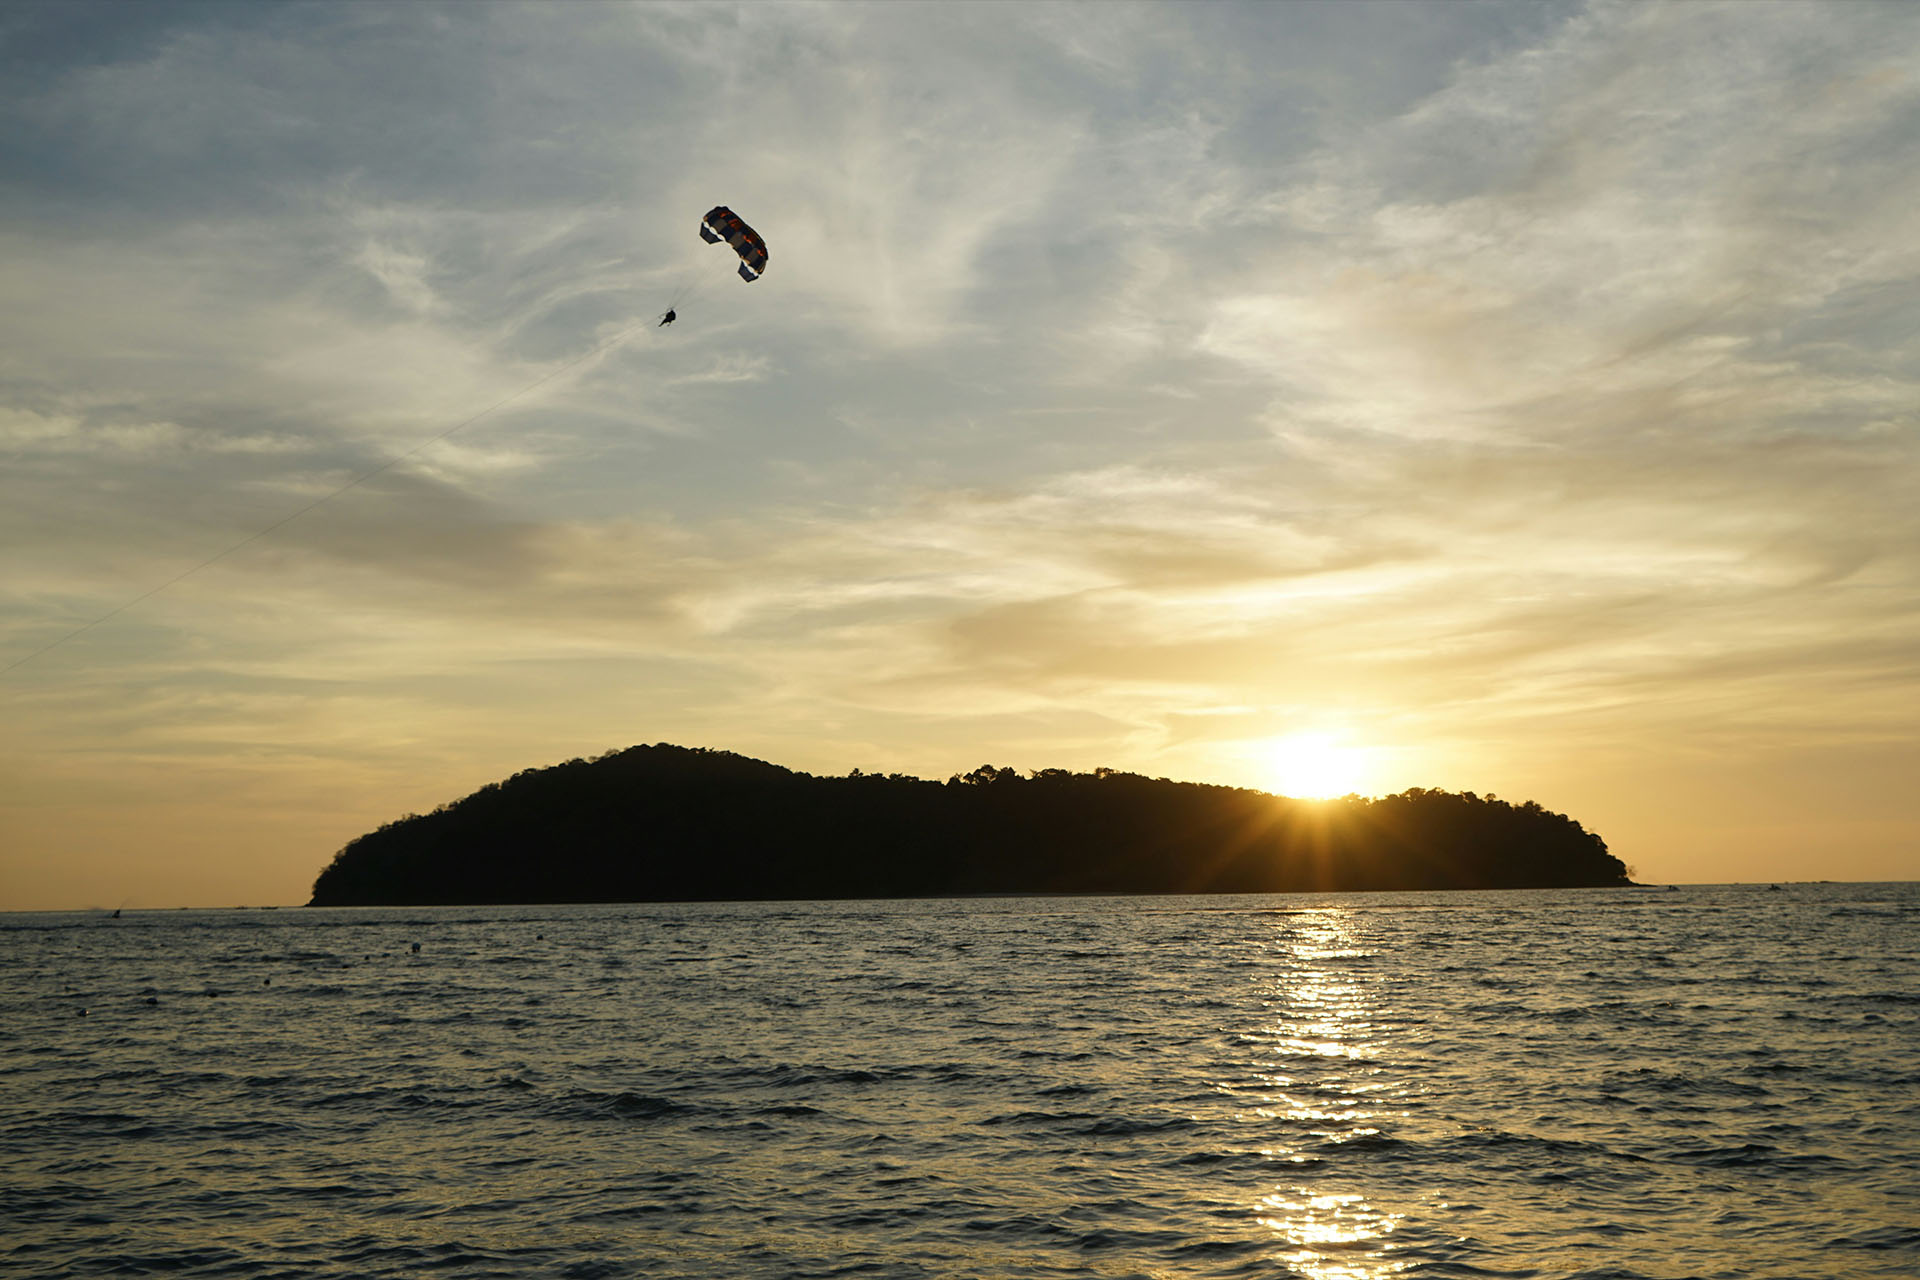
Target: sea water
1710	1082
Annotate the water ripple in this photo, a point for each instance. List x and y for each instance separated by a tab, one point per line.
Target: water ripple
1713	1083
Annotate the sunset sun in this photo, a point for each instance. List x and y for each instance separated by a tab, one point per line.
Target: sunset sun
1313	766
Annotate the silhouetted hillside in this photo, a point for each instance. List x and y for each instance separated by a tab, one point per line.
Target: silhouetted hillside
667	823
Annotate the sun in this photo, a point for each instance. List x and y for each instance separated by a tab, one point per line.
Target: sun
1313	766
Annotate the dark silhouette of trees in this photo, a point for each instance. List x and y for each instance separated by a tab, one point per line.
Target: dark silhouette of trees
667	823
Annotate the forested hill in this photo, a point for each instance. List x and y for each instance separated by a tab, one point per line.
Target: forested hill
667	823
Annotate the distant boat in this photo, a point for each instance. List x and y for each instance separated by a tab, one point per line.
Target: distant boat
115	915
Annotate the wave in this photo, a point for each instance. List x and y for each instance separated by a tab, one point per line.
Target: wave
1880	1238
1756	1155
624	1105
480	1111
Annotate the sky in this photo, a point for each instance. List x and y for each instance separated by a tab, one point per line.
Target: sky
1323	398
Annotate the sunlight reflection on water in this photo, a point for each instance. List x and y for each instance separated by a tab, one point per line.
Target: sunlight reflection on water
1345	1226
1325	1017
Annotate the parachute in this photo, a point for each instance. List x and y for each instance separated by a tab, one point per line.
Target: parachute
722	223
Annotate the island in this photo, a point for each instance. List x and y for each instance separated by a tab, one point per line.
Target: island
664	823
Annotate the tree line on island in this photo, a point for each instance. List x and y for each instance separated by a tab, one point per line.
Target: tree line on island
667	824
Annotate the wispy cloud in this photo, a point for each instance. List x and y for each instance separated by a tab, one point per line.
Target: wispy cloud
1524	393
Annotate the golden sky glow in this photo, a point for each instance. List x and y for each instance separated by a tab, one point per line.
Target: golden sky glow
1508	398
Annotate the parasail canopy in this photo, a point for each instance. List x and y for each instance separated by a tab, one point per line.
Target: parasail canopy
722	223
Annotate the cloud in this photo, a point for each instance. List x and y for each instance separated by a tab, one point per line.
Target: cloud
1597	218
1498	385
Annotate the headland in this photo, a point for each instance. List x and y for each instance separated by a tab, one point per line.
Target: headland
665	823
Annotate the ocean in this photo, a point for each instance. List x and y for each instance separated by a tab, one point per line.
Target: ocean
1621	1084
